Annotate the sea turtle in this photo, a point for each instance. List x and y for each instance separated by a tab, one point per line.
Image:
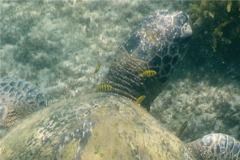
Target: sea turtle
115	126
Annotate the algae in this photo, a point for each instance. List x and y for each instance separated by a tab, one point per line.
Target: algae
216	27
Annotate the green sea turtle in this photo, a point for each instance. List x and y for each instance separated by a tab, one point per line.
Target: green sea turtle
111	126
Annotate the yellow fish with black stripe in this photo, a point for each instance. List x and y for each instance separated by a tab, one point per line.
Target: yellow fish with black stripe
97	68
103	88
148	73
183	127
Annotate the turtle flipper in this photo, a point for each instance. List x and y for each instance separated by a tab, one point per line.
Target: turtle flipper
18	99
216	146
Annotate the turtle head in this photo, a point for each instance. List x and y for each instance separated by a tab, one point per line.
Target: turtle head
183	21
144	62
179	27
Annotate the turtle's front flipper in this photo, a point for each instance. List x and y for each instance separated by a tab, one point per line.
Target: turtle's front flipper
18	99
215	146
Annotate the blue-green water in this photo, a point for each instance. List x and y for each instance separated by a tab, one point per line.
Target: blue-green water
56	46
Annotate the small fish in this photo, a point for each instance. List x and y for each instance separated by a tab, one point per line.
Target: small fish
97	68
103	88
140	99
183	127
229	6
148	73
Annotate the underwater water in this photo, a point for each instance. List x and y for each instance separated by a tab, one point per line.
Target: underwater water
65	48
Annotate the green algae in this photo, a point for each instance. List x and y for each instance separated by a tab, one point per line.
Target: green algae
216	27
